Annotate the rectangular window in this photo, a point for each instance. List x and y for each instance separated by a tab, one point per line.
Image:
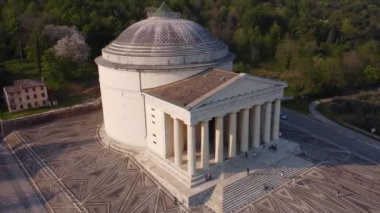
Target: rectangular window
21	106
26	89
43	95
44	102
34	89
42	88
27	97
35	96
19	99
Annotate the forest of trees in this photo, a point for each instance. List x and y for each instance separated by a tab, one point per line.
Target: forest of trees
318	46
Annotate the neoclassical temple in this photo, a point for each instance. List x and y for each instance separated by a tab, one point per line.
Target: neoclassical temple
168	88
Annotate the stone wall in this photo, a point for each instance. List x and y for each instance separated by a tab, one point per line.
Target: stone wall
27	121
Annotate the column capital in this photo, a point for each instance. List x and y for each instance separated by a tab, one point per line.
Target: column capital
206	120
220	116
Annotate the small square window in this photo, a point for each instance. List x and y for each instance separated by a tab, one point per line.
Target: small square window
27	97
35	96
34	89
43	95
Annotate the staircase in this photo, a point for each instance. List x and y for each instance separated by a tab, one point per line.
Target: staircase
216	199
237	189
241	192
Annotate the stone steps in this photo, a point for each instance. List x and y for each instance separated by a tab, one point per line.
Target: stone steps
216	199
247	189
238	194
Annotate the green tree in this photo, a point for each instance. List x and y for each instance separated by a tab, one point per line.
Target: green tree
286	52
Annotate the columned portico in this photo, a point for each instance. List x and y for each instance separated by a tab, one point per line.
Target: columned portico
219	139
218	125
256	125
205	152
178	141
244	134
276	119
232	135
191	160
267	122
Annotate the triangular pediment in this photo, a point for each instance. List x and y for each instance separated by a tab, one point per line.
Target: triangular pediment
244	85
211	86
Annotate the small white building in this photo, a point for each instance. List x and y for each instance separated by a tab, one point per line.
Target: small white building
26	94
168	87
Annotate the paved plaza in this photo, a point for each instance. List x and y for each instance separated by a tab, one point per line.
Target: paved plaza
73	172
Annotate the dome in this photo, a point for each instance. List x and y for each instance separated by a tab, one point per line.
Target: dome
165	39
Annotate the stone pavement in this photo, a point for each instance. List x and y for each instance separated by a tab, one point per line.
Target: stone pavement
76	173
86	176
16	194
326	189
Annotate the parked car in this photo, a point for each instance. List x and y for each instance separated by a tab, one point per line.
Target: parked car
283	116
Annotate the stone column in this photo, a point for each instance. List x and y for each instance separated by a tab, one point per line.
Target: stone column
219	139
232	135
276	119
256	125
267	120
244	134
205	153
178	141
191	160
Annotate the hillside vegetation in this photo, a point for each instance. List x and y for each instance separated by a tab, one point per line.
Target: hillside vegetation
318	46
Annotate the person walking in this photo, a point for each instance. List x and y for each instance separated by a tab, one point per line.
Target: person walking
282	174
247	171
266	187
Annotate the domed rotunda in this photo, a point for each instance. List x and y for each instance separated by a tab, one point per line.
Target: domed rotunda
169	93
159	50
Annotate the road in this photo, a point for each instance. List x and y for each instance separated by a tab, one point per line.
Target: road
16	193
332	135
